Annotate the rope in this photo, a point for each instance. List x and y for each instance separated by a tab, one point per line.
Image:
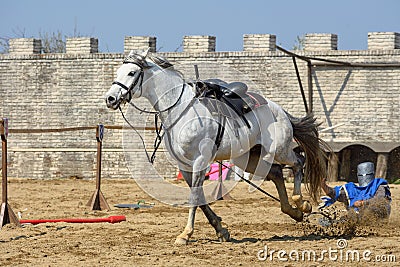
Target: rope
71	129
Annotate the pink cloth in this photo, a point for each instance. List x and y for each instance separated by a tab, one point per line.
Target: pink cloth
214	173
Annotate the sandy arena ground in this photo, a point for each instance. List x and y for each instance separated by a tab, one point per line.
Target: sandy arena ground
147	237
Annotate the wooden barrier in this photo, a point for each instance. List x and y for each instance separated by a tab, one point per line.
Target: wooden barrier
96	202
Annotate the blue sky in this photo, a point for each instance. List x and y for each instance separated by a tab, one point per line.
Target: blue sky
169	21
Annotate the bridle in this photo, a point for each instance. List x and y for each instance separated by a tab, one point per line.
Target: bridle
130	88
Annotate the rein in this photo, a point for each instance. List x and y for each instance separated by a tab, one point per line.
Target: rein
157	141
249	182
320	212
159	128
160	111
325	214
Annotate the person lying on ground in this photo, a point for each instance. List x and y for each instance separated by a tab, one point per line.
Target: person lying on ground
371	195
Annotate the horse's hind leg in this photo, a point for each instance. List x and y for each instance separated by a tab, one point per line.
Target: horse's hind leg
276	176
296	161
297	197
252	162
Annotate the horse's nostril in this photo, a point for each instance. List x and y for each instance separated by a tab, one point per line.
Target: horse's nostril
111	99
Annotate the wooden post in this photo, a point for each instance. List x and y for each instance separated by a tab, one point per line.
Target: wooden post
7	215
300	84
4	135
382	165
310	87
220	192
345	166
97	201
333	168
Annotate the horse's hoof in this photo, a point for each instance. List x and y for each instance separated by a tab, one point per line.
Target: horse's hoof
297	198
181	241
296	215
306	207
224	235
298	218
301	204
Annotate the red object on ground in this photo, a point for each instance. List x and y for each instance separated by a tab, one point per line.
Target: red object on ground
180	176
111	219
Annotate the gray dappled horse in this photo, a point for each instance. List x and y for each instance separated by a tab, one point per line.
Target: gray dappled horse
195	138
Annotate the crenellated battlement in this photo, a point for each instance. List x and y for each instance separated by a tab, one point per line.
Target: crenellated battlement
207	43
320	42
82	45
25	46
139	43
383	40
259	42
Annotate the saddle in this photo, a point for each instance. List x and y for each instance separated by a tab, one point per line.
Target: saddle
232	96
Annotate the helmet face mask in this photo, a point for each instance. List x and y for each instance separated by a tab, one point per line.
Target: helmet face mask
365	173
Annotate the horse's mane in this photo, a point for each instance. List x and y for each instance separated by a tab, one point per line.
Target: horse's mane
141	61
161	61
158	60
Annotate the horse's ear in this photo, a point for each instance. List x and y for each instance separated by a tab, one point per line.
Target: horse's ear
131	53
145	53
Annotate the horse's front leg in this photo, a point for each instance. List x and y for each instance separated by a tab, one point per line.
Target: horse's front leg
196	198
184	237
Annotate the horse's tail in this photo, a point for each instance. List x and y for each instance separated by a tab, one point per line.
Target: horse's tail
305	133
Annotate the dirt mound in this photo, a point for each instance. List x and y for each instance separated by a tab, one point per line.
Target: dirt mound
336	221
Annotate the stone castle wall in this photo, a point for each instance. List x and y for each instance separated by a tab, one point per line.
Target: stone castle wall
361	104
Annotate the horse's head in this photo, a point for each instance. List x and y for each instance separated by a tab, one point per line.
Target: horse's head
128	83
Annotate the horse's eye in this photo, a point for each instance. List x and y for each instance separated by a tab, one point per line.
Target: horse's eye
132	73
